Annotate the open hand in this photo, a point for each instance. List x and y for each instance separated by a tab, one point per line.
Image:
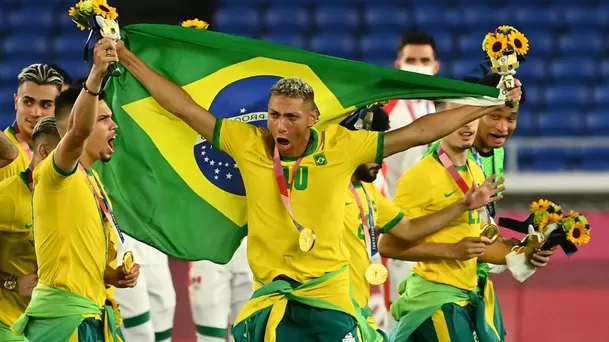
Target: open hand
117	278
469	247
26	284
479	196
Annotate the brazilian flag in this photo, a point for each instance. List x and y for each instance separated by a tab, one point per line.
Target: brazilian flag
168	187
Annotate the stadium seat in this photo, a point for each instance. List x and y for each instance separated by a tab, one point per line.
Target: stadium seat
601	96
544	159
336	18
585	17
597	123
295	40
287	19
238	20
594	159
581	43
334	44
386	62
379	44
77	68
460	68
527	123
31	20
471	45
542	44
18	45
568	94
528	18
445	43
428	18
386	17
559	123
535	68
478	18
569	69
71	44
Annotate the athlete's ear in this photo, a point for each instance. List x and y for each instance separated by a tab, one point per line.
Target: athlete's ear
43	151
313	118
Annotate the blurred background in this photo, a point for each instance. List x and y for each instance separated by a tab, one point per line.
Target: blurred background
560	149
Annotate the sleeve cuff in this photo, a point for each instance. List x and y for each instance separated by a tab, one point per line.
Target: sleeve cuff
387	227
217	131
379	148
62	172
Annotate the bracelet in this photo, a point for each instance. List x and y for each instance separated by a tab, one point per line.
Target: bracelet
88	91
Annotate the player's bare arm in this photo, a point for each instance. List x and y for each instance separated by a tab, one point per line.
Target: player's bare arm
430	128
168	94
84	112
496	253
8	151
476	198
467	248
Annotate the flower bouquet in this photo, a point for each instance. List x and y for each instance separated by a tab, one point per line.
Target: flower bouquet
546	227
100	19
506	48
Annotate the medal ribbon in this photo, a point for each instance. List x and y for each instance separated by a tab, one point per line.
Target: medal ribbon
281	183
367	221
24	145
104	204
452	170
490	208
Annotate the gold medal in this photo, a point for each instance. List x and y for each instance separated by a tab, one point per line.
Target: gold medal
128	262
490	231
306	240
376	274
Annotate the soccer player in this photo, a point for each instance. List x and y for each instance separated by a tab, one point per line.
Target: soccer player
294	249
72	240
443	299
217	294
368	211
39	85
148	308
67	80
17	256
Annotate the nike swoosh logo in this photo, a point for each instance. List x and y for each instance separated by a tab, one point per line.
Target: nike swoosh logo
449	194
28	226
347	203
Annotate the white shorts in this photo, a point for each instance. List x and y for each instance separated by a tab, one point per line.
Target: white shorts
218	292
148	308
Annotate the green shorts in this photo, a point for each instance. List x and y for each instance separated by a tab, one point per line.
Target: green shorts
450	323
92	330
6	335
383	335
302	323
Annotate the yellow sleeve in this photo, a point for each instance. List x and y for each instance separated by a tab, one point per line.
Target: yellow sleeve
7	213
361	146
51	175
414	192
387	213
232	136
19	164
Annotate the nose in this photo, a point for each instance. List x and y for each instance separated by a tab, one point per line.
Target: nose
281	126
113	125
37	111
502	126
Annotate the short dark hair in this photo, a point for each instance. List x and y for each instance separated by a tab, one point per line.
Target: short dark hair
46	127
64	74
65	101
418	38
492	80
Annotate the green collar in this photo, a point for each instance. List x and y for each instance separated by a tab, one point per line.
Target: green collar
458	167
312	147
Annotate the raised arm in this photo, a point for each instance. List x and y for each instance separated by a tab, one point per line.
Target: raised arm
169	95
84	112
8	151
430	128
423	226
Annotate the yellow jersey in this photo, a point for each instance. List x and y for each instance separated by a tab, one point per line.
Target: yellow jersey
427	188
385	215
20	163
17	255
70	239
318	197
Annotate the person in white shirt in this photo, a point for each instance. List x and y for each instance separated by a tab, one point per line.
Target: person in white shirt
417	52
148	308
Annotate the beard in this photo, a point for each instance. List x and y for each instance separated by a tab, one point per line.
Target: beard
365	174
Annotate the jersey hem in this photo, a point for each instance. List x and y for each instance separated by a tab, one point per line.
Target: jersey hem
387	227
62	172
380	147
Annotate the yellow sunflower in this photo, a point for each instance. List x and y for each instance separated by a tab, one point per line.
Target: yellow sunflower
542	204
518	42
104	10
505	28
578	234
496	45
573	214
554	217
196	24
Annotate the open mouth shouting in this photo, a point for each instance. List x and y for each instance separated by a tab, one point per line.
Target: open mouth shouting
498	139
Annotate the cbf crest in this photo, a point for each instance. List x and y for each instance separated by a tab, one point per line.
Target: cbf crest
245	100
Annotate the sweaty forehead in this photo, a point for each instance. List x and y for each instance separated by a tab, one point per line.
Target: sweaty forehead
283	104
46	92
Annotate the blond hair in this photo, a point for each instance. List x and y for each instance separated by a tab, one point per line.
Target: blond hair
41	74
